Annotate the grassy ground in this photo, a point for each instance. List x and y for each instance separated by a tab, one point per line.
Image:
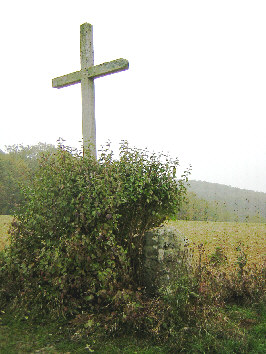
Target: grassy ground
52	338
58	338
243	330
55	338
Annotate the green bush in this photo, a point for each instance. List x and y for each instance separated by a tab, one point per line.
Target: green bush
77	240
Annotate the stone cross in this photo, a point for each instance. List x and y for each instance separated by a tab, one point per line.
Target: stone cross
86	77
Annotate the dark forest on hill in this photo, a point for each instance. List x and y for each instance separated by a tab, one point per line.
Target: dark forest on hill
218	202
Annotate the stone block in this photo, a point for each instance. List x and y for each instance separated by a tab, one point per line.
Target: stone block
165	251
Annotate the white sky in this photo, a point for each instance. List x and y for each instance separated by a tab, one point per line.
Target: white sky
196	85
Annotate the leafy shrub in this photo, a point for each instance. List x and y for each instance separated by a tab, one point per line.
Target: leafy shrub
76	242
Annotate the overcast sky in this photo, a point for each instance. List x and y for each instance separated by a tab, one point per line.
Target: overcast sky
196	85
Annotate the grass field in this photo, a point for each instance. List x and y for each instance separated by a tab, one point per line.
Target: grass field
5	221
229	236
246	323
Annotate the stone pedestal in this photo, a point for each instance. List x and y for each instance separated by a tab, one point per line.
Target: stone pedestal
165	255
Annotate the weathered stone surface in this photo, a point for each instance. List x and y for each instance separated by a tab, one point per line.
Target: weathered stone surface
165	248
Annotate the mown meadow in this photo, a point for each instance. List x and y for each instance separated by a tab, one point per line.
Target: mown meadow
229	260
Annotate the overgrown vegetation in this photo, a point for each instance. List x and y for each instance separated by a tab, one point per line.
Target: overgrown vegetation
77	239
217	308
75	258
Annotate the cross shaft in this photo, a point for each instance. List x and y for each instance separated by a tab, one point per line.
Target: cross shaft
86	77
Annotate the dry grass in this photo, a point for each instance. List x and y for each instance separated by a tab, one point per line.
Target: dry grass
228	236
5	221
228	260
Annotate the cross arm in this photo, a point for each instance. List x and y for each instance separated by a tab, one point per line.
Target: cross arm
67	80
110	67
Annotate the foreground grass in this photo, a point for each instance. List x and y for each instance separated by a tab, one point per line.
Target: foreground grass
18	337
23	337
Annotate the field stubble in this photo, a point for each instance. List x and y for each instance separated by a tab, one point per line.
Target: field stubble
232	238
5	221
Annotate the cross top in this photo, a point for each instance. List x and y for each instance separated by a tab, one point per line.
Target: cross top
86	77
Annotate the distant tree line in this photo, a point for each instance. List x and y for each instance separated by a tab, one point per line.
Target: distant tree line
195	208
17	165
218	202
199	209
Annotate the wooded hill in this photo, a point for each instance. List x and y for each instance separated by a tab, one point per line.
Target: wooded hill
218	202
16	167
